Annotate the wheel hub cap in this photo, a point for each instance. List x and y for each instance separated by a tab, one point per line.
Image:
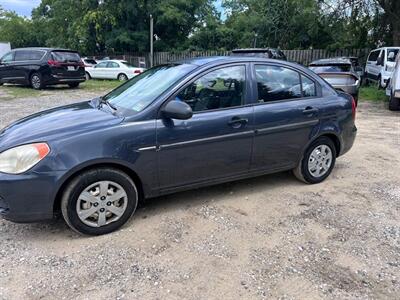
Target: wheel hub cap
320	161
101	203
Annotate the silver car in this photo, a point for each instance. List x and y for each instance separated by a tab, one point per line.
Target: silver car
393	88
340	73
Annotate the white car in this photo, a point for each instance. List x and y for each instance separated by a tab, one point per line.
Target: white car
380	65
393	89
113	69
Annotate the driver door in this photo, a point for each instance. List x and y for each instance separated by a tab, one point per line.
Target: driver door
6	67
216	142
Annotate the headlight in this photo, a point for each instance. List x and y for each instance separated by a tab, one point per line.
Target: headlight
20	159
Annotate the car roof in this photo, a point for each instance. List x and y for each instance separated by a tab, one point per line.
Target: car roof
333	60
254	50
45	49
200	61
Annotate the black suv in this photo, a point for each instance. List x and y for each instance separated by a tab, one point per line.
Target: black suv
260	52
39	67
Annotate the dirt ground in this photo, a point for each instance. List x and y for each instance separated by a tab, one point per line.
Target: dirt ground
268	237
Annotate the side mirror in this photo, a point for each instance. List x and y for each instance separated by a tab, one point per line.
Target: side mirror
176	109
379	61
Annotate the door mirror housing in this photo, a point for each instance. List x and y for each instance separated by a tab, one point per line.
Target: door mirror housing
176	109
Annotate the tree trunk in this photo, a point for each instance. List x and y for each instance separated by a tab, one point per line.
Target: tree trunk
396	31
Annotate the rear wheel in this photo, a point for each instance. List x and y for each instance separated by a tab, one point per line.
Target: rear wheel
99	201
122	77
36	81
317	162
73	85
394	103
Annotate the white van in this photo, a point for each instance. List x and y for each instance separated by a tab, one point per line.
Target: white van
393	88
380	65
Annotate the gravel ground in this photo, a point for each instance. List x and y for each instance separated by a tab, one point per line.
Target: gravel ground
267	237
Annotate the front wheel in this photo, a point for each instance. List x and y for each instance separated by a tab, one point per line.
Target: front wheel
99	201
318	161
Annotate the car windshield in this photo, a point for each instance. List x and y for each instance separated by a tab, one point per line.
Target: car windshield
331	68
143	89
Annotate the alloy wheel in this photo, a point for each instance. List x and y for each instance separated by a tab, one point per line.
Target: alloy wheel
35	81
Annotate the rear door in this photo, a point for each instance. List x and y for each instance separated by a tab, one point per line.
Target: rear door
25	61
285	118
216	142
112	70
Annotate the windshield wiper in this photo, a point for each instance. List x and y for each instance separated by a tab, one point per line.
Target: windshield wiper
106	102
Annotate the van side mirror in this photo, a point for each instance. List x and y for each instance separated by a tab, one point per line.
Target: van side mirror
176	109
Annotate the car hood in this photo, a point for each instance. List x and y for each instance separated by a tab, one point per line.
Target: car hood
57	123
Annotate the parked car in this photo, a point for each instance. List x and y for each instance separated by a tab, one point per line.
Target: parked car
113	69
174	127
260	52
39	67
340	73
89	62
355	61
380	65
393	89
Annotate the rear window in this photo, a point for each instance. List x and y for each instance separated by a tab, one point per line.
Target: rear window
392	57
90	61
64	56
24	55
331	68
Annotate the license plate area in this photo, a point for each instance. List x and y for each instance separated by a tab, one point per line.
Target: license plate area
71	68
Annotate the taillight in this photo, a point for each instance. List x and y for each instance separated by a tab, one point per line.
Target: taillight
353	108
53	63
81	64
137	72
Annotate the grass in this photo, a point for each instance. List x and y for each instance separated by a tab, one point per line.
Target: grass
371	93
19	91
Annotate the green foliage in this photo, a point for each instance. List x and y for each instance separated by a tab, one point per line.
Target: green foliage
109	26
371	93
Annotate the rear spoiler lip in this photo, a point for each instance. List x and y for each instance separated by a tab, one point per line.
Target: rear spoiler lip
338	73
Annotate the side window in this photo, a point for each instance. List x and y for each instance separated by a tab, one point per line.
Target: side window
218	89
7	57
24	55
308	87
112	65
101	65
277	83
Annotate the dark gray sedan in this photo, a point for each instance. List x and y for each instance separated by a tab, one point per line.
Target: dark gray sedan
340	73
174	127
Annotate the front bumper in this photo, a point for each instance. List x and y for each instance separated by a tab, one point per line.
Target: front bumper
28	197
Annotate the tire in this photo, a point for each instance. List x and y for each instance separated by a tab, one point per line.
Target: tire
394	103
36	81
87	76
122	77
87	185
73	85
302	171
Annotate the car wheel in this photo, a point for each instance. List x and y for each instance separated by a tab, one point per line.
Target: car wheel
36	81
87	76
394	103
122	77
73	85
99	201
317	162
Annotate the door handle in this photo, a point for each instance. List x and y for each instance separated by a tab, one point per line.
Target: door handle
310	110
237	122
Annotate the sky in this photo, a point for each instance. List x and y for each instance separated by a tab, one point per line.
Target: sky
21	7
24	7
